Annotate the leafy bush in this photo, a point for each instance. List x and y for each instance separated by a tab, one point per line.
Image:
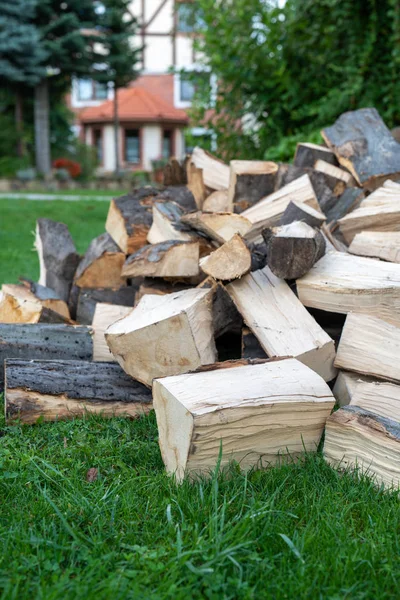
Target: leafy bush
65	164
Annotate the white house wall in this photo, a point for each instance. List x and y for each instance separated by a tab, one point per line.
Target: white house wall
158	57
179	144
108	148
151	146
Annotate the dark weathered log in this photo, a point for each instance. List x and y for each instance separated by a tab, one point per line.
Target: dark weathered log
57	389
174	173
258	255
57	256
251	347
364	145
179	194
41	341
307	155
347	202
31	303
293	249
249	181
102	264
298	211
88	299
167	259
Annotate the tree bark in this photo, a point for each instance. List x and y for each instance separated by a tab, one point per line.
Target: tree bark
116	127
42	128
19	124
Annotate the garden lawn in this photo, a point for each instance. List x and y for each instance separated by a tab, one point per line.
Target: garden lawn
297	531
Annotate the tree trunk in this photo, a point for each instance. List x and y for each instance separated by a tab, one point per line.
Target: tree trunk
19	124
42	129
116	127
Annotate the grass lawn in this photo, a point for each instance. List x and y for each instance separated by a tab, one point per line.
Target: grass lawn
298	531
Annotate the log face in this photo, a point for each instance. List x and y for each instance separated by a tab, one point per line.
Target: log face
101	266
381	398
104	316
250	180
377	244
18	304
166	259
307	155
230	261
220	227
215	171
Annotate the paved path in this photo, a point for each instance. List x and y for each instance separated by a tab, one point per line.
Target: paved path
69	198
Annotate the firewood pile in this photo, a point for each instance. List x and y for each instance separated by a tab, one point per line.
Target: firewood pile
240	302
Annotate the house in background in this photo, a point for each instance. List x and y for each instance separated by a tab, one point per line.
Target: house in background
152	110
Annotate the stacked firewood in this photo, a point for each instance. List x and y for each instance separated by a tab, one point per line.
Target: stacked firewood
240	301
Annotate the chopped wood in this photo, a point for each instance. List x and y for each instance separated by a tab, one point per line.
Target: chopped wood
268	212
231	261
217	202
257	415
332	242
377	244
298	211
20	304
281	323
166	226
174	173
293	249
370	346
88	298
337	173
349	200
379	397
196	184
251	347
345	386
44	341
104	316
370	218
220	227
388	195
307	155
364	145
53	389
226	317
215	171
165	335
58	257
249	181
102	264
341	283
179	194
364	441
168	259
159	287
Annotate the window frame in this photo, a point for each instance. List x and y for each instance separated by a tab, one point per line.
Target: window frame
125	129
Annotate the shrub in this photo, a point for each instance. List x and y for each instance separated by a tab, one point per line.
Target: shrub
72	167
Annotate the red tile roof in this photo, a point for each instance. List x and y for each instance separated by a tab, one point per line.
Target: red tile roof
135	104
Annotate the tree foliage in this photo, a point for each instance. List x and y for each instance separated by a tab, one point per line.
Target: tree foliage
291	70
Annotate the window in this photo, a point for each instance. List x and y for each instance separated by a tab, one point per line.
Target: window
132	146
98	144
91	90
190	18
100	91
187	89
190	82
167	143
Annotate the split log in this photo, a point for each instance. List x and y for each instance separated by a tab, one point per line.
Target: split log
387	195
58	257
346	384
220	227
308	154
343	178
249	182
268	212
370	218
379	397
341	283
165	335
259	415
168	259
180	194
166	224
104	316
88	299
215	171
298	211
332	242
40	341
364	145
230	261
20	304
217	202
54	389
364	441
196	184
370	346
281	323
293	249
159	287
102	264
377	244
251	347
226	317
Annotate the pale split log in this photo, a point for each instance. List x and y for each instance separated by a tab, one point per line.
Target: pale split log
307	154
19	304
370	218
384	245
387	194
220	227
58	258
257	415
51	390
104	316
88	299
299	211
360	440
341	283
196	184
167	259
165	335
337	173
230	261
380	397
217	202
249	181
166	226
370	346
346	384
281	323
215	171
102	264
332	242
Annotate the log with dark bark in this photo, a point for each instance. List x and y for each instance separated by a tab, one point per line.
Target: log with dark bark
347	202
58	258
58	389
31	303
166	224
102	264
307	155
293	249
364	145
249	182
298	211
88	299
44	341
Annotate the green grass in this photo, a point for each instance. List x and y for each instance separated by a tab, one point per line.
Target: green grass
79	192
298	531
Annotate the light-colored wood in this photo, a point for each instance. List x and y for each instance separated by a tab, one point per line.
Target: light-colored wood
336	172
196	184
269	210
159	287
215	171
281	323
385	217
358	439
165	226
332	242
18	304
102	264
388	193
346	384
260	415
220	227
342	283
165	335
379	397
370	346
104	316
168	259
249	181
217	202
231	261
377	244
